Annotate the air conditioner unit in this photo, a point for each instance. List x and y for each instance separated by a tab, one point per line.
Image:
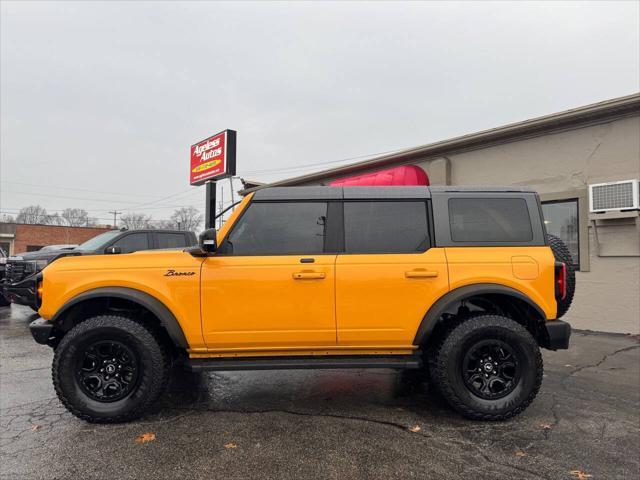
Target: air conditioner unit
613	196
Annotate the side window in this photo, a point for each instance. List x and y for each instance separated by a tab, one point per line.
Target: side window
170	240
133	242
489	220
385	227
285	228
561	220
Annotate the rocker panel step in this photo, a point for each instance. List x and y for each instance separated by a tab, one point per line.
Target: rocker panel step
306	362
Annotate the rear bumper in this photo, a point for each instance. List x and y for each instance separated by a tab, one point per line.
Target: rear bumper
41	330
558	334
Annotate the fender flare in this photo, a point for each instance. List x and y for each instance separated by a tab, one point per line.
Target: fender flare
446	301
155	306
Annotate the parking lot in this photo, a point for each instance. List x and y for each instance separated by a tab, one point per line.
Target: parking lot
326	423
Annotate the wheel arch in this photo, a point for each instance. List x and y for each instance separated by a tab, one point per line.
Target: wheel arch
467	292
155	307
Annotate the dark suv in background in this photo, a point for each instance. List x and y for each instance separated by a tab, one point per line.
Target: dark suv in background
19	284
3	262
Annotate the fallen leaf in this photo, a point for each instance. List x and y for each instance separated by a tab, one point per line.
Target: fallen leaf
545	426
520	453
145	437
415	428
35	428
230	445
579	474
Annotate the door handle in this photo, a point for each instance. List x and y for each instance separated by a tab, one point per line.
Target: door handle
420	274
308	275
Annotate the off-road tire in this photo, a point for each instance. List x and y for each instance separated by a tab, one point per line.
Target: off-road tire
153	362
447	367
562	254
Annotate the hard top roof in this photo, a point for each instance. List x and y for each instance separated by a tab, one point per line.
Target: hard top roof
380	193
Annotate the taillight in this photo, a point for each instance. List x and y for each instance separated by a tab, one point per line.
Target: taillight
561	280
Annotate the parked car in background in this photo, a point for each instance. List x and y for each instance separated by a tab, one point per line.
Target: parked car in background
19	283
3	262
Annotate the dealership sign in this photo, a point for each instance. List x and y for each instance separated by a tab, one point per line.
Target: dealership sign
213	158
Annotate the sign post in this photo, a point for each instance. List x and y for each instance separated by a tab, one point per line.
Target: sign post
211	159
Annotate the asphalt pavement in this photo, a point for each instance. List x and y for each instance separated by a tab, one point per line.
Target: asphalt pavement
328	424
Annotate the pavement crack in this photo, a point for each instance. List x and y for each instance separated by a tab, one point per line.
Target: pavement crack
602	360
404	428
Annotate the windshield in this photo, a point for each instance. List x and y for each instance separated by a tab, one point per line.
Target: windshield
99	241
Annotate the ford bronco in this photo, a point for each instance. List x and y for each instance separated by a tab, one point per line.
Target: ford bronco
463	283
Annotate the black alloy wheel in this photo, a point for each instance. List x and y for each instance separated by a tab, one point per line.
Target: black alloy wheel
110	368
487	367
491	369
107	370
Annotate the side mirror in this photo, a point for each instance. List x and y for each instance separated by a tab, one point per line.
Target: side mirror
207	240
113	250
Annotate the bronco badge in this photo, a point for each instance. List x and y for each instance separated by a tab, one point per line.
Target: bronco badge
173	273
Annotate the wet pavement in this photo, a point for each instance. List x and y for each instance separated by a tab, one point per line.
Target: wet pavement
326	423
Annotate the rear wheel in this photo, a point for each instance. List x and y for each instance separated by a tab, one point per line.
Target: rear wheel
488	368
109	369
561	254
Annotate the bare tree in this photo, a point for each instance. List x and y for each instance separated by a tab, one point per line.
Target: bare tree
55	219
6	218
136	221
32	214
186	218
75	217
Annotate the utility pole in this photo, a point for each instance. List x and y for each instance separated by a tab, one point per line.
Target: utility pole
115	221
232	199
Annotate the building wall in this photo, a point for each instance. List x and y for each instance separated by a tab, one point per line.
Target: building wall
51	235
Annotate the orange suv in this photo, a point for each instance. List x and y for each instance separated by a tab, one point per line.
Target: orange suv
461	282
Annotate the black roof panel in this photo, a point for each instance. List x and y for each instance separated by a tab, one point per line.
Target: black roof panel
373	193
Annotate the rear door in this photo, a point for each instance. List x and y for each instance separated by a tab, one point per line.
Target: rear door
389	274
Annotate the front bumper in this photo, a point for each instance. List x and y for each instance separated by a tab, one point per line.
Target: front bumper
22	292
558	334
42	331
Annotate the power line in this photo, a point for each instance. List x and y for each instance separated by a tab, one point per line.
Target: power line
79	189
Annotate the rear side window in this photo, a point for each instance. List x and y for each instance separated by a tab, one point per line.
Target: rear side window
489	220
385	227
286	228
133	242
170	240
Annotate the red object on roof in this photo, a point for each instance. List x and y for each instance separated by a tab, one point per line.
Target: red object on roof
403	175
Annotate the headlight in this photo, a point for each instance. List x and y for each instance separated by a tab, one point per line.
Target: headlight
40	264
3	260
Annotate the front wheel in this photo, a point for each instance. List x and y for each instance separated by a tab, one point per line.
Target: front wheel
488	368
109	369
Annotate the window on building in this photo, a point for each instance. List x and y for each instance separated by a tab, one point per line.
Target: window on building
285	228
5	247
561	220
385	227
171	240
133	242
490	220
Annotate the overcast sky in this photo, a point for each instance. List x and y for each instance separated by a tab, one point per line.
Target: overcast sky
101	101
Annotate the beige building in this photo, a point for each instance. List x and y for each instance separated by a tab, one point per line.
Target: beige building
559	155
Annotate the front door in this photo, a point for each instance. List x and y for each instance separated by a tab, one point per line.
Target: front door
271	286
389	274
